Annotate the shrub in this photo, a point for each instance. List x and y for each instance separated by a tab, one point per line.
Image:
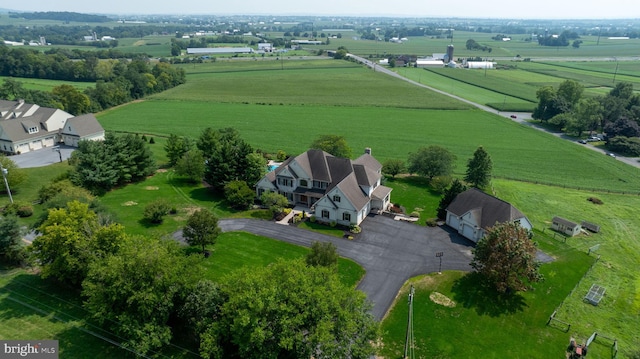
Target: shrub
144	138
173	210
287	210
415	214
332	224
19	209
152	141
312	219
24	211
154	211
239	195
432	222
354	228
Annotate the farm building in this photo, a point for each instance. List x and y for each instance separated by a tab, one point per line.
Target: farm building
473	211
306	42
429	63
218	50
480	64
565	226
28	127
265	46
339	189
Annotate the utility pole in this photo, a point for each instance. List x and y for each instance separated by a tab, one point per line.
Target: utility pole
439	255
6	183
408	344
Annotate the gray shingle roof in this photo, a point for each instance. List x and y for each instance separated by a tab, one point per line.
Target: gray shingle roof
84	125
487	210
564	222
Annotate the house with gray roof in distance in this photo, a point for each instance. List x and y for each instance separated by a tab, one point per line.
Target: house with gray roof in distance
473	211
28	127
340	190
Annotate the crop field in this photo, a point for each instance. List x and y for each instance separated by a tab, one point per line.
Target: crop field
517	151
424	46
310	82
604	76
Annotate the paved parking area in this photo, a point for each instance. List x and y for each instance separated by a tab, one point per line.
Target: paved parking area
42	157
390	251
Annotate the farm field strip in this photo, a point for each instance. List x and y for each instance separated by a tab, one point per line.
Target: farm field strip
311	86
510	145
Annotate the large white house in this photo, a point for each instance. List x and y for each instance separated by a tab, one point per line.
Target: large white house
338	189
473	211
28	127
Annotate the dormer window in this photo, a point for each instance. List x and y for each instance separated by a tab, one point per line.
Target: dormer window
33	129
336	198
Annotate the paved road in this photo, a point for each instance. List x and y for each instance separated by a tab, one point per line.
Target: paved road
521	117
390	251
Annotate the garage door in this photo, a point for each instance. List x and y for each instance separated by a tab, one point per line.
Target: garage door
467	231
48	142
453	222
36	145
23	148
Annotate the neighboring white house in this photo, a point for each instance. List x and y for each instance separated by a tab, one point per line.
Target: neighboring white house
473	211
265	46
338	189
28	127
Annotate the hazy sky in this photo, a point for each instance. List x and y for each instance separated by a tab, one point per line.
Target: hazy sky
536	9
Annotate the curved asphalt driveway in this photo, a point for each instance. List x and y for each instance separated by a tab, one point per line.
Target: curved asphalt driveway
390	251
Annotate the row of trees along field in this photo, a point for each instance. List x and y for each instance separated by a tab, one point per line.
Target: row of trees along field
617	113
117	81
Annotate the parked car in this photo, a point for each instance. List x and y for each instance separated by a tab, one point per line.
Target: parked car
514	116
584	142
611	154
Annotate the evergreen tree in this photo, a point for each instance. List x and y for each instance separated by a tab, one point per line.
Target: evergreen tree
449	195
479	169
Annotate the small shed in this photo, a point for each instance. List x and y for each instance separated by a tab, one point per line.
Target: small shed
590	226
565	226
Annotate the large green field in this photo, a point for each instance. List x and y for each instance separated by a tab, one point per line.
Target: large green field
518	151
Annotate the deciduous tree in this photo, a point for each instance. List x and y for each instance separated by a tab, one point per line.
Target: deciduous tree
506	258
239	195
201	228
191	165
290	310
431	161
322	254
134	292
332	144
393	167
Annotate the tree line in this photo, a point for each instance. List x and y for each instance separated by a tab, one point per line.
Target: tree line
617	113
117	81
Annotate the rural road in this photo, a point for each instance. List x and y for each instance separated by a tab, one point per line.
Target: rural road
521	117
390	251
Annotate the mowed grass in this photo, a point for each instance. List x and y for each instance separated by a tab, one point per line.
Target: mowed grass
618	313
235	250
47	85
517	151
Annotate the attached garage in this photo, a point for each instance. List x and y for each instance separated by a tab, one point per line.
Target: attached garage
467	231
35	145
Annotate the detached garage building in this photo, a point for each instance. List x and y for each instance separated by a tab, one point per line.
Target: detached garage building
28	127
473	211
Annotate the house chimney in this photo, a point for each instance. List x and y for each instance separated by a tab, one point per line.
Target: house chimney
367	150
